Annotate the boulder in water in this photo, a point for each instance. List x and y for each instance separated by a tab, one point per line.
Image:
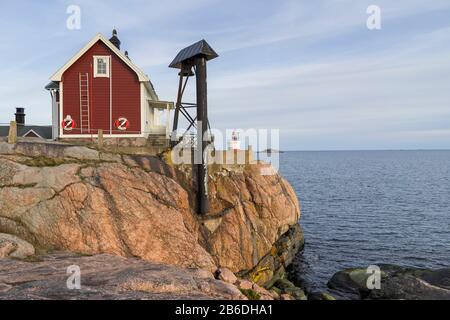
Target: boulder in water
396	283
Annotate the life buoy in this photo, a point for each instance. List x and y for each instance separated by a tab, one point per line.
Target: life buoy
122	124
68	124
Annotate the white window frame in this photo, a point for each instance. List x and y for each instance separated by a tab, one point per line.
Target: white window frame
108	63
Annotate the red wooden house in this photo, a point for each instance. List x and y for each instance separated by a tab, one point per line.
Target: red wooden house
101	88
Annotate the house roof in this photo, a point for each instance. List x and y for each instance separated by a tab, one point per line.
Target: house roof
99	37
201	48
44	132
52	86
56	78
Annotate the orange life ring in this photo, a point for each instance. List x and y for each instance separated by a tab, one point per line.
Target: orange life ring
68	124
122	124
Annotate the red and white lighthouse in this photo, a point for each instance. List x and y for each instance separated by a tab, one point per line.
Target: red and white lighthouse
235	143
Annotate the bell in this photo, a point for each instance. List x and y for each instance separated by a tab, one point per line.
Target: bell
186	71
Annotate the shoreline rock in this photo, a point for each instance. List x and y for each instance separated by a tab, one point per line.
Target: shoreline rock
14	247
108	277
273	266
72	198
397	283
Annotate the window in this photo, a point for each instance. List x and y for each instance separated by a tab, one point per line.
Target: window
101	66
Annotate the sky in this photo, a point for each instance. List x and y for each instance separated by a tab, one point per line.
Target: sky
311	69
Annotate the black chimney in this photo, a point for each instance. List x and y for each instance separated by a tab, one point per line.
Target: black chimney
20	116
115	40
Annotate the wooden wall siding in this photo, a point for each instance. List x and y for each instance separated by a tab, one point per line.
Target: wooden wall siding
126	94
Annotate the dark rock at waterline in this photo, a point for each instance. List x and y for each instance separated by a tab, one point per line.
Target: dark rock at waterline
396	283
284	284
320	296
351	282
272	267
297	293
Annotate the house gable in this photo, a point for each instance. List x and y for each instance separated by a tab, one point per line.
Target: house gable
109	98
99	37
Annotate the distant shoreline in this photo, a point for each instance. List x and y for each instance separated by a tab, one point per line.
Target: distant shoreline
271	151
368	150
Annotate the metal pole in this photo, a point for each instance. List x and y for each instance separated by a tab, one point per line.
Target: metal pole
202	129
177	112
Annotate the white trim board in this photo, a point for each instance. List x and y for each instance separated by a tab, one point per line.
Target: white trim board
78	136
61	114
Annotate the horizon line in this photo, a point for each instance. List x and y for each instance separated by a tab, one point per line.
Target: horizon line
358	150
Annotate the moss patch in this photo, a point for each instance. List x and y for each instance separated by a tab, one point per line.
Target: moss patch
20	186
45	162
251	294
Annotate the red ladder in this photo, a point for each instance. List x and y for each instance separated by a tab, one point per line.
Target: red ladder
84	103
